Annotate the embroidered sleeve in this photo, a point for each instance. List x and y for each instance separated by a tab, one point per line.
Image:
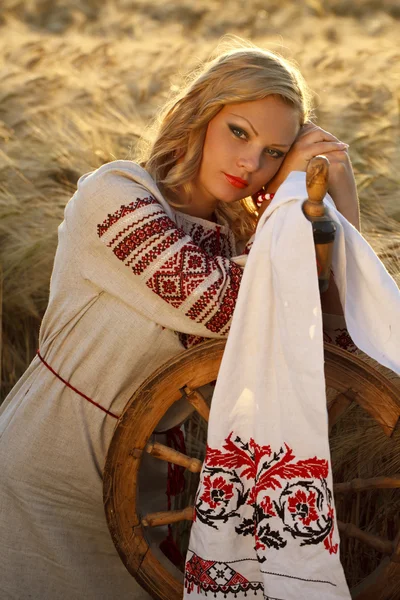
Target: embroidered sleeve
153	264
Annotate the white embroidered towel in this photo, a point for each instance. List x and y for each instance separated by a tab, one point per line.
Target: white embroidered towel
265	521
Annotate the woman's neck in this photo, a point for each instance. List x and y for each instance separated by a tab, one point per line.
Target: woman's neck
197	212
196	205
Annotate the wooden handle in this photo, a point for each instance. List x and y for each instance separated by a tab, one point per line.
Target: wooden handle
317	186
314	209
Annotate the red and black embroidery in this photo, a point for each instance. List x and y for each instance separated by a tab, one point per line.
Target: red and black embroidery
150	251
217	577
267	494
149	232
248	246
182	273
343	340
190	341
122	212
212	240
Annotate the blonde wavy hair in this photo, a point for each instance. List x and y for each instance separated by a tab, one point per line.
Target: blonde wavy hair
241	74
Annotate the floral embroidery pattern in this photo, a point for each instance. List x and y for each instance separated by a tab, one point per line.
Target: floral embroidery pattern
216	491
304	506
282	499
185	274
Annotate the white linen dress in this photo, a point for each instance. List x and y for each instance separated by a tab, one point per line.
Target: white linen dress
134	283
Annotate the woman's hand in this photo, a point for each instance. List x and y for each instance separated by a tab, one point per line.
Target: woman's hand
342	187
310	142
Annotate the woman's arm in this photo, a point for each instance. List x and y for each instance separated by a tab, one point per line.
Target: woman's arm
128	246
330	300
342	187
310	142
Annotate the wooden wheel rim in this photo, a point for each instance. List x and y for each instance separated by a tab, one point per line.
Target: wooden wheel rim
194	368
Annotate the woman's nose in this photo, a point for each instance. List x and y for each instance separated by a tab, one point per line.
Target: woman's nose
250	161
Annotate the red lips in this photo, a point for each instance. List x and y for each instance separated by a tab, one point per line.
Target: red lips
236	181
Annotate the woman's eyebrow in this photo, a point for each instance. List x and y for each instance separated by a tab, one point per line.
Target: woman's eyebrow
240	117
256	133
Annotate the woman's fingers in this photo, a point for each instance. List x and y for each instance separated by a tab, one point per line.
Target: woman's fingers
322	148
316	134
339	156
306	148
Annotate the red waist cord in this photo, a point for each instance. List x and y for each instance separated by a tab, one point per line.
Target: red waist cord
74	389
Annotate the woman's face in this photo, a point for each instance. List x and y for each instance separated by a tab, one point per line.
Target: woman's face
244	147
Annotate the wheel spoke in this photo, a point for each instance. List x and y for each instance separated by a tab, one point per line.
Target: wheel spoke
197	400
173	456
342	402
361	485
372	586
396	554
380	544
372	390
167	517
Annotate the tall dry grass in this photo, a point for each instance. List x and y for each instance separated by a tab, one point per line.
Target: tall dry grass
79	81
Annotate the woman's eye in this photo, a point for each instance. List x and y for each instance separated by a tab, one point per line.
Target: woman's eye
242	134
238	132
274	153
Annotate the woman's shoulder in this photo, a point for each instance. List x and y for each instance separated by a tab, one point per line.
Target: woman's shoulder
116	173
114	185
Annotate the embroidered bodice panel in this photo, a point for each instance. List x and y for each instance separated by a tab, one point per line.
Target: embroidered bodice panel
214	238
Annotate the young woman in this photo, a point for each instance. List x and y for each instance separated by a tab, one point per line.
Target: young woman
145	267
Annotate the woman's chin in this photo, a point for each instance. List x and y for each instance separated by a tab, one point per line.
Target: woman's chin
229	195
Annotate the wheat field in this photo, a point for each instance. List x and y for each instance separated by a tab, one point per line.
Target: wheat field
80	81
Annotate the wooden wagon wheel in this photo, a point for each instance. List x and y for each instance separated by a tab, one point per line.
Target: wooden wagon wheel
355	381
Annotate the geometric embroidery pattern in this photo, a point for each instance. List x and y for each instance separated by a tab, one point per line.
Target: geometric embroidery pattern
216	577
213	241
194	271
122	212
341	338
